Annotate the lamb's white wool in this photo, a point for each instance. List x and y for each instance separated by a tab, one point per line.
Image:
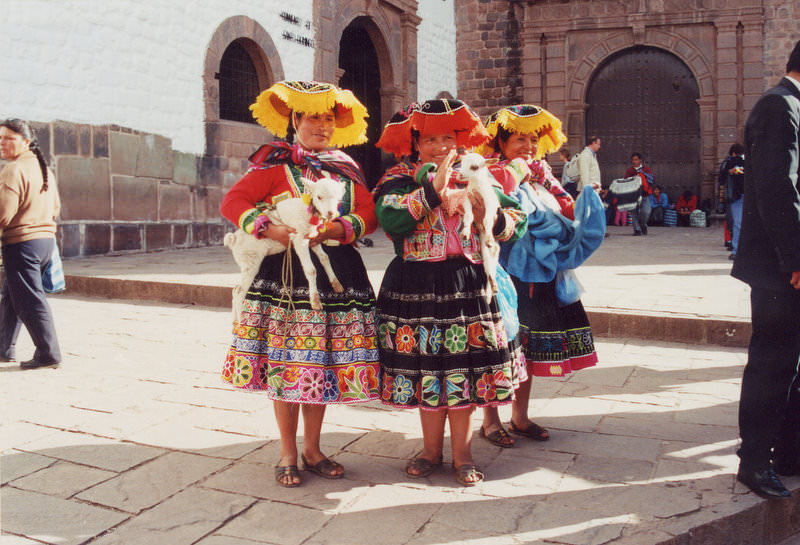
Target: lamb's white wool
481	184
248	251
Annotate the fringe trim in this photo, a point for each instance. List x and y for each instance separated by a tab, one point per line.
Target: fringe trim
542	123
273	107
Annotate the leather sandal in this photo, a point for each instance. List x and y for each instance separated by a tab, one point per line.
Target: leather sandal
324	468
499	437
285	475
466	474
534	431
422	466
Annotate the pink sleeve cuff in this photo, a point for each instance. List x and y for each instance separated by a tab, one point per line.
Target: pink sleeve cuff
260	226
349	233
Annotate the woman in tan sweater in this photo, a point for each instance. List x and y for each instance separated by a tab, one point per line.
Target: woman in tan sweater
29	204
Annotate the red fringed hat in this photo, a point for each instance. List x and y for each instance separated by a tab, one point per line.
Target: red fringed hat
438	116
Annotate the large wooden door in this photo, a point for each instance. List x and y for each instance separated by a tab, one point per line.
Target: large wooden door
645	99
359	60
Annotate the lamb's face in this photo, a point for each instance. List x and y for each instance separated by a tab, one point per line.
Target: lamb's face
326	194
471	165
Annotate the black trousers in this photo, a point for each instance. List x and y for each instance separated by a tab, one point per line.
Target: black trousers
769	408
22	299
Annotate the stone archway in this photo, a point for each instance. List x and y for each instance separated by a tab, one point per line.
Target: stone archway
392	29
644	99
360	72
227	141
581	72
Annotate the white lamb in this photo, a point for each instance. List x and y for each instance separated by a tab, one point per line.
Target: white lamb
481	184
249	251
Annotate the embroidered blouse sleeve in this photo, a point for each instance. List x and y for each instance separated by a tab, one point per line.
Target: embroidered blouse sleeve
565	200
512	222
239	205
399	209
510	174
361	220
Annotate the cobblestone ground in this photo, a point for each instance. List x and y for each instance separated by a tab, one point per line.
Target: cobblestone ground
135	440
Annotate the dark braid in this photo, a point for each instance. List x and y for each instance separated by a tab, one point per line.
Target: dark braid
291	132
22	128
42	164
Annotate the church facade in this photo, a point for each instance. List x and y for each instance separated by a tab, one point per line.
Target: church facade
671	79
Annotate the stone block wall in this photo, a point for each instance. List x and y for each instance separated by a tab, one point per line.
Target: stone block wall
781	33
127	191
490	55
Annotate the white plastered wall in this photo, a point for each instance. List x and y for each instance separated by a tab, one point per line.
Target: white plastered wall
135	63
436	49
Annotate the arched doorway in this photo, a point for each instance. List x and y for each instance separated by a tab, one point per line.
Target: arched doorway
358	60
645	99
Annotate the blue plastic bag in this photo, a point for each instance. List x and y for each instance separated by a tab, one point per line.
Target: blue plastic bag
507	300
53	276
568	287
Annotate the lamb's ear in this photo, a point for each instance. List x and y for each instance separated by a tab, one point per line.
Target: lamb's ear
492	161
307	182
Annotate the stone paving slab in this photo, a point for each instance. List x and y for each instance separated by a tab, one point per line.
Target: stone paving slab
642	451
184	518
152	482
53	520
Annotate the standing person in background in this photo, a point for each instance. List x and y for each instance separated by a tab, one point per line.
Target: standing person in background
768	259
305	359
588	166
641	214
29	204
731	176
570	185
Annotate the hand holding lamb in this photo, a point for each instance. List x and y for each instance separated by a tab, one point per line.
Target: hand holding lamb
302	218
480	192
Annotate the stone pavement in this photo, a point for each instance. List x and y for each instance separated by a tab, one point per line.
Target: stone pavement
135	439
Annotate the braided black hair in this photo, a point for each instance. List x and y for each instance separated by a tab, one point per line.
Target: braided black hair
22	128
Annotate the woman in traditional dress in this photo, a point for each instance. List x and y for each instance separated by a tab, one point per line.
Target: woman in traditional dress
442	343
555	335
305	359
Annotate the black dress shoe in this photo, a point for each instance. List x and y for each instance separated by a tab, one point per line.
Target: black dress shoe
4	359
35	364
764	483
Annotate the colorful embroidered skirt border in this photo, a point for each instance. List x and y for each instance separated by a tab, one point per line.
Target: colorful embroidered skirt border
304	355
556	340
442	344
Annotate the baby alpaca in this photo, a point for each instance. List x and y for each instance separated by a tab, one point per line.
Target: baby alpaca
305	216
481	185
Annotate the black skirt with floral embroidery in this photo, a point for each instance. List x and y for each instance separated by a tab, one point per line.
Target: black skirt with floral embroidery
442	343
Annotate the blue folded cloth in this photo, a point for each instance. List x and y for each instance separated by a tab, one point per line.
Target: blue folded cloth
554	243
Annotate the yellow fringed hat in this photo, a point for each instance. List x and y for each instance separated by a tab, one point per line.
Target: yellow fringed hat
526	119
273	109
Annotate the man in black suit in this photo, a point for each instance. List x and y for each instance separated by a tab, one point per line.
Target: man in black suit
768	259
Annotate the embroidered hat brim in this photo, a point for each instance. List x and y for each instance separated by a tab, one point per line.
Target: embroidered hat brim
273	109
526	119
438	116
